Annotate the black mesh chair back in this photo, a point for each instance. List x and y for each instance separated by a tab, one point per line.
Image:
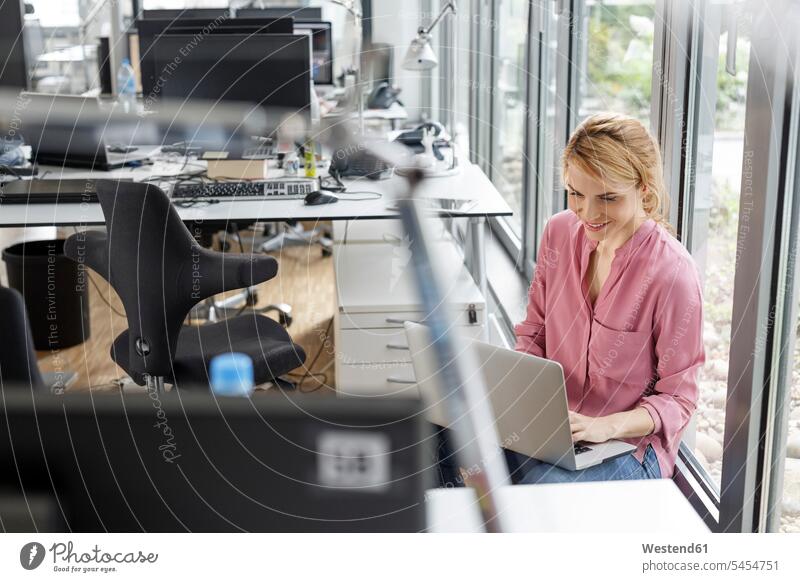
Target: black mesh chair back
18	366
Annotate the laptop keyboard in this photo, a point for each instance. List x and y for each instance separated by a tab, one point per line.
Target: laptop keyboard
581	449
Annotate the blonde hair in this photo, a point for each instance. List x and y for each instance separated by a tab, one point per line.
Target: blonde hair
619	149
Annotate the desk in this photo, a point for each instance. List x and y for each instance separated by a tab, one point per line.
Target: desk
649	506
470	183
393	114
72	54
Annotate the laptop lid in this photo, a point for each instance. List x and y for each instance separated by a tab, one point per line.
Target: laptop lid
64	129
526	393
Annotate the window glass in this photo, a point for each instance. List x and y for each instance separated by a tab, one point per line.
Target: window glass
508	155
714	242
790	501
617	66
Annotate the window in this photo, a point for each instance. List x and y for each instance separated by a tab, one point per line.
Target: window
509	105
714	225
544	142
790	493
617	60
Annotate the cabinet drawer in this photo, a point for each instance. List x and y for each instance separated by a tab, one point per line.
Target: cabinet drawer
376	379
357	346
460	317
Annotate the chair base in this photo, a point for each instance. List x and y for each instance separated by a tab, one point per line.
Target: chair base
213	310
296	235
154	383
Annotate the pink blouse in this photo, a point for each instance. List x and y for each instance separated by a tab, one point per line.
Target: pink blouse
641	344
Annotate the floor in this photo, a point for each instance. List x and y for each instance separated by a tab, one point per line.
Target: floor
305	280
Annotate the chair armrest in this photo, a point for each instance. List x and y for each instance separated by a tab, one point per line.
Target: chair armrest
219	272
89	248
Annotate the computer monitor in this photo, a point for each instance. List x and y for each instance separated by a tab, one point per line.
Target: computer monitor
193	462
270	70
64	130
185	13
380	63
296	12
73	131
322	49
150	29
14	67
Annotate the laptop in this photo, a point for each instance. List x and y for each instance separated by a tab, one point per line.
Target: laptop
52	191
71	131
528	396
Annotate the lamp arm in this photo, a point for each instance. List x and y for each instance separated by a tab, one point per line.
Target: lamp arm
451	5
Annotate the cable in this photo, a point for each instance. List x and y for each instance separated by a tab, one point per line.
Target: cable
9	170
235	228
332	183
320	378
97	287
100	293
314	361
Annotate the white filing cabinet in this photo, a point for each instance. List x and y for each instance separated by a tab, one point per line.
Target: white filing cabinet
376	293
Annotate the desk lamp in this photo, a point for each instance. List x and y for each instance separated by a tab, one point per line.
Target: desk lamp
420	55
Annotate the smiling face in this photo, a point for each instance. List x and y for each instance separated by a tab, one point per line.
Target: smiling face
610	213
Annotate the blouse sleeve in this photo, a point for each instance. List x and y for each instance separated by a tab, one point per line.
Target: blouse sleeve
530	332
678	332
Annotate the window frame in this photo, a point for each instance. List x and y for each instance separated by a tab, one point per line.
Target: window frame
755	414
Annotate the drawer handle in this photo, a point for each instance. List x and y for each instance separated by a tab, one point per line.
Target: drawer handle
400	321
396	347
400	380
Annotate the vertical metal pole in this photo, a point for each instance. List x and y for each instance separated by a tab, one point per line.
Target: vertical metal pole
766	165
477	252
116	44
477	444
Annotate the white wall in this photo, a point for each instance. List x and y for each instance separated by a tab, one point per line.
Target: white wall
395	22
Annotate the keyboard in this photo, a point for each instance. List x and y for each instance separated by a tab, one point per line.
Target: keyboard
581	449
272	189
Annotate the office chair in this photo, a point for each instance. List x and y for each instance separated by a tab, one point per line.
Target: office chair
215	308
160	272
18	365
294	234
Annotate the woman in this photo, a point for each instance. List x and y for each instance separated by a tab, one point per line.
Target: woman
616	300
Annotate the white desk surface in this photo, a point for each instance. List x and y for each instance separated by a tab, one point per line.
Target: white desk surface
470	183
649	506
395	111
72	54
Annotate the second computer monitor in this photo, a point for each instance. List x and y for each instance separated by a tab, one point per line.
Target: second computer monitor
322	49
296	12
271	70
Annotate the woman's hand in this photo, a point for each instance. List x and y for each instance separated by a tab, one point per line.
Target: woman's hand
599	429
592	429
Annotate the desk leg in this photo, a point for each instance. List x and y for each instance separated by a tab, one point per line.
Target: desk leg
476	261
476	252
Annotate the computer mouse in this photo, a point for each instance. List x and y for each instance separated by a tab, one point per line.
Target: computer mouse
319	197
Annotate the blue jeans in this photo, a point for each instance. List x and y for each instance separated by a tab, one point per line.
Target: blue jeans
525	470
